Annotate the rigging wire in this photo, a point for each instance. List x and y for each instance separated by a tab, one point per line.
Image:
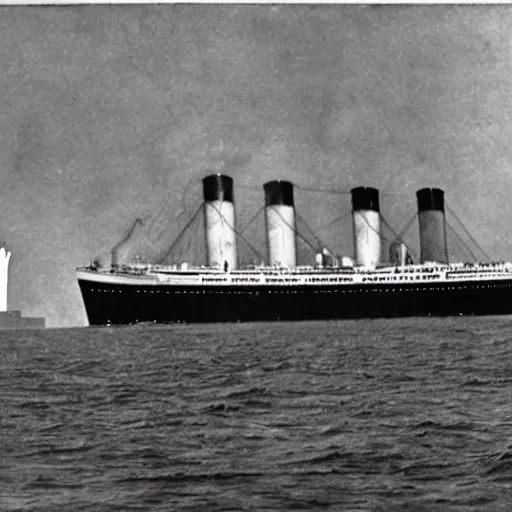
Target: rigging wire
462	241
157	233
375	231
296	231
332	222
251	221
386	223
322	190
113	251
407	226
317	239
256	252
161	217
467	232
343	192
189	243
248	187
398	237
181	233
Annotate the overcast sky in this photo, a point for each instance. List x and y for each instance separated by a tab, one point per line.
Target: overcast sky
109	113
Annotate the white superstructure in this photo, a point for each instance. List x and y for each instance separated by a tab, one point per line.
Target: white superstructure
424	276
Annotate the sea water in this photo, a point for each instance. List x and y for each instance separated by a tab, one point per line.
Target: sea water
412	414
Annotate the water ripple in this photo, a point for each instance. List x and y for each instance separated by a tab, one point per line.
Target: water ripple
359	415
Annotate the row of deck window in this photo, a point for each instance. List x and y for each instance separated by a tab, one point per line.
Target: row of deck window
326	290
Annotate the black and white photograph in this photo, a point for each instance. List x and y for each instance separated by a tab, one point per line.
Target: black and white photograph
255	257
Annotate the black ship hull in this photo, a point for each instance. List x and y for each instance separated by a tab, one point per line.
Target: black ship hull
109	304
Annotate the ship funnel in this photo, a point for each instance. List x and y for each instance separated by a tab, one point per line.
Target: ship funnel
280	222
366	221
219	215
432	225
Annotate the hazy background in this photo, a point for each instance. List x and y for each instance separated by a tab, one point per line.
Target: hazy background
110	113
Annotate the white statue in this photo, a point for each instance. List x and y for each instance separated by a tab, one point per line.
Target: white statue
4	277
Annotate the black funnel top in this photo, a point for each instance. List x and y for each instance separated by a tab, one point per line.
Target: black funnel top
365	198
430	199
218	187
278	192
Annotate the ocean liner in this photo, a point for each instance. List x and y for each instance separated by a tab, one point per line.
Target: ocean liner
331	288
